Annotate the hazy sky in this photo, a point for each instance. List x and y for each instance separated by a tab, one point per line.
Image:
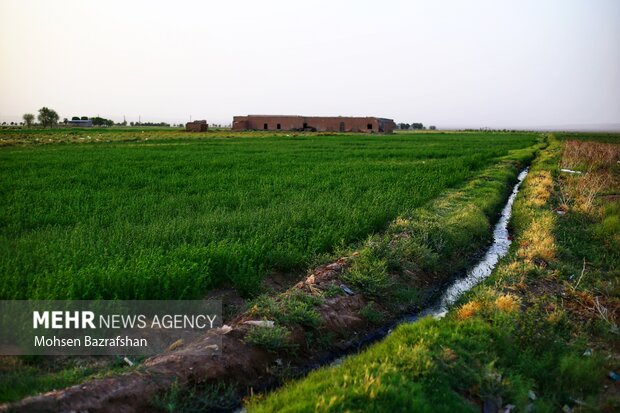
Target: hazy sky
450	63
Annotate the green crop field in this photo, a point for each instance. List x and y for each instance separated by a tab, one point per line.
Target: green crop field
172	218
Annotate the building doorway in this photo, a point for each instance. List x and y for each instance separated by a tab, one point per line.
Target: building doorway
341	128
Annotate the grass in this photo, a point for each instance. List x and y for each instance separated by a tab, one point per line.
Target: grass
445	366
23	376
539	334
291	308
174	216
368	274
270	338
199	398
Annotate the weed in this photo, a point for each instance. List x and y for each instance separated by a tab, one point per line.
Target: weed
270	338
507	303
468	310
371	314
332	290
293	308
368	274
538	242
197	398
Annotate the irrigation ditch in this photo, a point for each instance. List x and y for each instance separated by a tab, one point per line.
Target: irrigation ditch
247	368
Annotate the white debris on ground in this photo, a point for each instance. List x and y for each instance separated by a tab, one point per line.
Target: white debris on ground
225	329
260	323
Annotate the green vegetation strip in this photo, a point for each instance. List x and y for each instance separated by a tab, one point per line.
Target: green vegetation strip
28	375
167	218
524	338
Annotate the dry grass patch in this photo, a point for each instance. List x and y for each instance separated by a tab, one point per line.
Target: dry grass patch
590	155
538	242
507	303
540	187
596	161
468	310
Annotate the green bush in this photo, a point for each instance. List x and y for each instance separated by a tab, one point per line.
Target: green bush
293	308
270	338
368	274
370	313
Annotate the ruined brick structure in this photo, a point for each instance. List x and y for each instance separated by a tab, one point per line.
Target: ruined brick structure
197	126
313	123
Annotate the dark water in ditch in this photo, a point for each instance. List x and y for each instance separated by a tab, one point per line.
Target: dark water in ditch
496	251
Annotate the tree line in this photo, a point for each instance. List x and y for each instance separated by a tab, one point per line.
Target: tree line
49	118
414	126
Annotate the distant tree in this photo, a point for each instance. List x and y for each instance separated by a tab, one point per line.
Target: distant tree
131	123
28	119
47	117
65	121
417	126
75	118
84	118
11	124
432	127
404	126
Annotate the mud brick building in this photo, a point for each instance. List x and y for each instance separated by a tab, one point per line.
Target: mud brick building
313	123
196	126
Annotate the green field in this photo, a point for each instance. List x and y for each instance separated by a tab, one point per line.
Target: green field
172	218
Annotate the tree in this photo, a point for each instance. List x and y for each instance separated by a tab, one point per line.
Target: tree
99	121
75	118
432	127
84	118
417	126
65	121
48	117
28	119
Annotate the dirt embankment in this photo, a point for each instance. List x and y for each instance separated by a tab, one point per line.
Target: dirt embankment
240	363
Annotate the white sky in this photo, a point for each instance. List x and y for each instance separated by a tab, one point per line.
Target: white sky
457	63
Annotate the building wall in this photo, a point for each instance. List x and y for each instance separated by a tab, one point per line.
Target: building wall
196	126
320	124
387	125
